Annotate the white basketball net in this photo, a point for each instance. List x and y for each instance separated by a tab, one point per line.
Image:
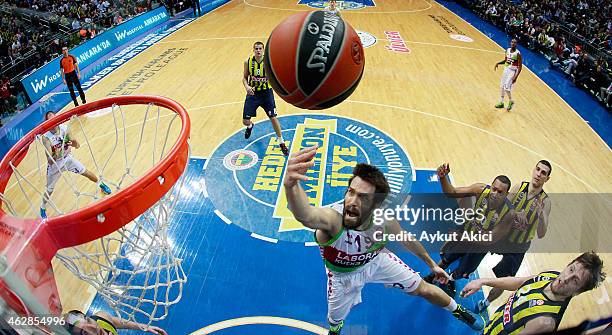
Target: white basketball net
134	269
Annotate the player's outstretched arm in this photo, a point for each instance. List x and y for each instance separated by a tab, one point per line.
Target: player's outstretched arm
310	216
505	283
48	150
125	324
456	192
415	247
71	140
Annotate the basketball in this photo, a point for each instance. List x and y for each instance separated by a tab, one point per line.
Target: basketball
314	60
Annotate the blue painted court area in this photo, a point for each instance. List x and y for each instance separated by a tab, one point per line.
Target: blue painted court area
233	273
587	106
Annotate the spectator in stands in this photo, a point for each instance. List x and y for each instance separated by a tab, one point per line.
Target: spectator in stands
491	12
572	61
195	4
582	69
598	80
76	24
170	6
560	50
605	95
8	99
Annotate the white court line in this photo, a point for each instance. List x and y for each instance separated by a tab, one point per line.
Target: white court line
528	69
453	46
345	11
204	190
264	238
377	38
213	39
222	217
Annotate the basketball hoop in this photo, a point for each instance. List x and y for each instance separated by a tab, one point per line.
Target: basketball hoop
131	263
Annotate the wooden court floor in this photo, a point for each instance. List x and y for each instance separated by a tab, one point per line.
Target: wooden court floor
436	101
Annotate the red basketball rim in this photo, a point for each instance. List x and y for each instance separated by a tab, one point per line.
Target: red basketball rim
118	209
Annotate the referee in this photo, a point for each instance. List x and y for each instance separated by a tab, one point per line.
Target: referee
71	75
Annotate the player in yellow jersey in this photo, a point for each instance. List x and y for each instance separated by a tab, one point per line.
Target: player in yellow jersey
532	207
513	62
102	323
493	214
538	302
259	94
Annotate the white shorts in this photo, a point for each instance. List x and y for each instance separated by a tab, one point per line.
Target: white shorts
344	289
54	171
506	80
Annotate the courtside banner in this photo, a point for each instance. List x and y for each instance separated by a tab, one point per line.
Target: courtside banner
45	79
209	5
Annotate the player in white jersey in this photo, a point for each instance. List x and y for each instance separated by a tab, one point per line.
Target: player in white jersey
58	144
352	248
513	65
332	7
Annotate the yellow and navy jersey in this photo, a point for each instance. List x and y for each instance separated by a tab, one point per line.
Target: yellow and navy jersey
491	216
521	202
527	303
105	324
257	75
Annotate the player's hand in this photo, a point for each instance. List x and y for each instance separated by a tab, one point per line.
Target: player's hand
514	80
520	221
539	209
250	91
443	170
298	165
79	75
64	80
496	65
471	288
156	330
440	275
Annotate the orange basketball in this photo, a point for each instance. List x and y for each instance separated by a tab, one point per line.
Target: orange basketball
314	60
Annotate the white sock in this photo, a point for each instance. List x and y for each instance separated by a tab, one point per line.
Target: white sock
452	306
281	140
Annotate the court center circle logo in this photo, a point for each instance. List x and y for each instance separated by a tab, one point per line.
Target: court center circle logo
343	5
253	197
240	160
367	39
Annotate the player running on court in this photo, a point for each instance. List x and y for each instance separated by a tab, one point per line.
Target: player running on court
58	144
